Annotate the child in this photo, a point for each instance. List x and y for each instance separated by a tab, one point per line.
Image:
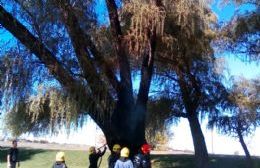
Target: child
124	161
60	160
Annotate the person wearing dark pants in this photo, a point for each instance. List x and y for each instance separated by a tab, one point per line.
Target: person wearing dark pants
94	156
115	154
142	159
12	156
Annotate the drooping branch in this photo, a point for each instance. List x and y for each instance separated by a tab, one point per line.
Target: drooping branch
35	46
45	56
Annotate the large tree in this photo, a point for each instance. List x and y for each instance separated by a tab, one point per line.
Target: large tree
93	65
190	74
55	31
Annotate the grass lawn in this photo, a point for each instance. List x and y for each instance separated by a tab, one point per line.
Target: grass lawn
32	158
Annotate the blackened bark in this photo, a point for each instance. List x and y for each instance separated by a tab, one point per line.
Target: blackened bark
190	97
126	87
123	130
243	144
201	153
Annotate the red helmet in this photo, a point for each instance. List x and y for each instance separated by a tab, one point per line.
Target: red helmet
146	148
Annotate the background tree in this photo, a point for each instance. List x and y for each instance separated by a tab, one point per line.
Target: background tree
244	115
158	123
241	34
189	75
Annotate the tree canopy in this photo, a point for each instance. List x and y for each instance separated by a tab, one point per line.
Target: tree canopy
66	65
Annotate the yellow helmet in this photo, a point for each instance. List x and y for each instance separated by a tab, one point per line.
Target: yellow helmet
116	148
92	149
124	152
60	157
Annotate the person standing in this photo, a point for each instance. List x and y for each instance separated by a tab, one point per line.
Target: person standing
13	156
60	161
115	155
124	161
142	159
94	156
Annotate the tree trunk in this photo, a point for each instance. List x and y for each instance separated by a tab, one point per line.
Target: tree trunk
243	144
126	126
201	153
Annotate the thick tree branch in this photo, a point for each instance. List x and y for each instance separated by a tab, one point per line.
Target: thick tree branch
185	93
147	70
46	57
124	65
34	21
82	42
36	47
148	62
147	66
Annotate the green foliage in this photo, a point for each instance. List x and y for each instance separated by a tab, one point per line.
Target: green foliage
244	114
241	34
158	122
44	113
181	34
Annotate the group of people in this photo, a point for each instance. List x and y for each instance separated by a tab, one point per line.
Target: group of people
119	158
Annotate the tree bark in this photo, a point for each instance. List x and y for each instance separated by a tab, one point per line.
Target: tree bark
200	148
122	130
191	103
243	144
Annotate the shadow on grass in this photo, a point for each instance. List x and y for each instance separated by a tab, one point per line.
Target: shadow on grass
173	161
24	154
188	161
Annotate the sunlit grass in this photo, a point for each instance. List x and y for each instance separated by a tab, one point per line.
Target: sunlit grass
32	158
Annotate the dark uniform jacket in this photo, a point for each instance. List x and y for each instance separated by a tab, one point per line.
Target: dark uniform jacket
93	158
142	161
112	159
13	152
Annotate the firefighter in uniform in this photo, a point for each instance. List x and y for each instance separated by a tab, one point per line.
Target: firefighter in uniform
142	159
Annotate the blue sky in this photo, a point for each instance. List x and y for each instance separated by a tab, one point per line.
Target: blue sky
236	67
